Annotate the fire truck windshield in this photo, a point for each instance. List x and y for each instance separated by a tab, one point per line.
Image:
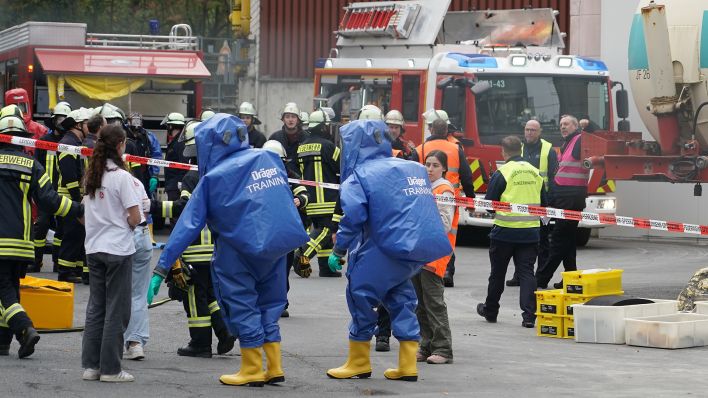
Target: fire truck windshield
510	101
347	94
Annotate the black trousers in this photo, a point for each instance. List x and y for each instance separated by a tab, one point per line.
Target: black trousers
72	256
563	241
203	313
288	266
41	227
450	270
524	255
56	242
13	318
383	323
544	232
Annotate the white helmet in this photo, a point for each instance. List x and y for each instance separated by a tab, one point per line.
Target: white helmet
76	116
61	109
432	115
291	107
370	112
275	147
394	117
110	111
304	117
206	114
318	117
174	118
247	109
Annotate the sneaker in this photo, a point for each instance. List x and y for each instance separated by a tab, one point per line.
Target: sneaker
29	338
513	282
134	352
382	344
482	311
91	374
438	360
121	377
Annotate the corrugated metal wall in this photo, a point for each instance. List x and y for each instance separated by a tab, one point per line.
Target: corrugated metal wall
294	33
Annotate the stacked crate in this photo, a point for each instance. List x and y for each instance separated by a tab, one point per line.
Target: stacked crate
554	311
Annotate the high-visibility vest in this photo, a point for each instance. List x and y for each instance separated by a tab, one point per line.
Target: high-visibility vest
453	159
439	266
396	153
546	148
570	170
523	186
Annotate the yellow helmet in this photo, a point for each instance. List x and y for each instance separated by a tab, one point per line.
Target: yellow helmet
370	112
13	125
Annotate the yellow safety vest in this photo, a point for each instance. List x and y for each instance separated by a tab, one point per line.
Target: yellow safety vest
546	148
523	186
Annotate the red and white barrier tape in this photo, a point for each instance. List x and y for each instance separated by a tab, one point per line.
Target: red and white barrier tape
587	217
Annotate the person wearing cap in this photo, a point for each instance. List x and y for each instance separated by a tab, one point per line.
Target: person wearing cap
24	181
318	159
71	259
458	173
396	128
247	113
292	134
174	153
48	160
203	312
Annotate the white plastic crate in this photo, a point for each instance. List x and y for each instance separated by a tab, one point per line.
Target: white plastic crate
606	324
680	330
702	307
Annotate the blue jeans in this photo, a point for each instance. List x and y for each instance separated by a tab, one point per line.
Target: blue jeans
139	328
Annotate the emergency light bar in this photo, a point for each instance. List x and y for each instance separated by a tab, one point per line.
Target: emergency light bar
393	20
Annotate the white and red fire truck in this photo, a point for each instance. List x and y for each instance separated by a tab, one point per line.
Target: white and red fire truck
491	71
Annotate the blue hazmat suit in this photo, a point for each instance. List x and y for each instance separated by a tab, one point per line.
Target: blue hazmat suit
391	228
244	196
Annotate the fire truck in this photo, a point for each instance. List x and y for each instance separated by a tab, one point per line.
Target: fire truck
153	75
491	71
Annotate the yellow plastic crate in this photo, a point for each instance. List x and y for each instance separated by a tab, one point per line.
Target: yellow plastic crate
550	302
568	327
50	304
592	282
571	299
549	326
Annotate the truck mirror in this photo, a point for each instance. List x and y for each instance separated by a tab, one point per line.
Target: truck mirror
622	103
623	125
444	82
480	87
452	96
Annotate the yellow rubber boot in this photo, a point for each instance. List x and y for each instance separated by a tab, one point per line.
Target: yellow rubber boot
358	363
407	367
251	372
274	369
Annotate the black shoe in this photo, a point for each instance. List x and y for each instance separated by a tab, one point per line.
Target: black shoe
528	324
482	311
29	338
558	285
330	274
226	344
4	350
448	281
382	344
513	282
69	278
285	314
192	351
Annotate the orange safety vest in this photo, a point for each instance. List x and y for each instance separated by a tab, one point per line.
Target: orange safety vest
439	266
453	159
396	153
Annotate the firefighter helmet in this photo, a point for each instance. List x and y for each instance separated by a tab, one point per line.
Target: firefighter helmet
394	117
174	118
190	143
13	125
247	109
136	119
206	114
275	147
111	113
76	116
305	118
61	109
290	107
432	115
12	110
318	117
370	112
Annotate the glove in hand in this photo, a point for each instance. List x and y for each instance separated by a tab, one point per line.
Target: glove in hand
335	262
155	283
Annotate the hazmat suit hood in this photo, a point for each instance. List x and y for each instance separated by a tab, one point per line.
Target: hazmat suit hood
363	140
217	138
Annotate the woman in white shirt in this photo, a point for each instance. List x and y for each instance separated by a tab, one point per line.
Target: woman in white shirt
112	211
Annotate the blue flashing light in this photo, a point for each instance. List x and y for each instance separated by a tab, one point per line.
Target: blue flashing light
474	60
320	62
591	64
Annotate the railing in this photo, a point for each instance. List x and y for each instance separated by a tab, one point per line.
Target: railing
152	42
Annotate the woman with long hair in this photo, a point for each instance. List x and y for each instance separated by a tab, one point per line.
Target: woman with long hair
112	211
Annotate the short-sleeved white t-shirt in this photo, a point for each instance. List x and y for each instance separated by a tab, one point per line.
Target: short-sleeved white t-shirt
144	199
106	215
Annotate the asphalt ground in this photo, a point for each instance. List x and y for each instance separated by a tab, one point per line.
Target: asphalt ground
500	360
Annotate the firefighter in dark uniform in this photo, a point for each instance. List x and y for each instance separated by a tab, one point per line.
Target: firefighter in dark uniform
514	235
291	135
247	113
175	148
396	128
318	159
72	262
48	160
23	181
203	312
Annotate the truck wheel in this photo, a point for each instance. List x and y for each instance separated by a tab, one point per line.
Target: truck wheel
582	237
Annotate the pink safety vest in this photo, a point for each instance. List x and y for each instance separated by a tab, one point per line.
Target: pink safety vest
570	170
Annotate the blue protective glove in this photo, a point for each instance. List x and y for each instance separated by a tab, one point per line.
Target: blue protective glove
153	185
335	262
155	283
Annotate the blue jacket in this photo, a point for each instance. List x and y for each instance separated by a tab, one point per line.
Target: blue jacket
237	193
385	199
155	153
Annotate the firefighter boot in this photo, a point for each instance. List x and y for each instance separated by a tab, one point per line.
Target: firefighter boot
358	363
301	264
28	339
407	368
193	351
251	372
274	369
